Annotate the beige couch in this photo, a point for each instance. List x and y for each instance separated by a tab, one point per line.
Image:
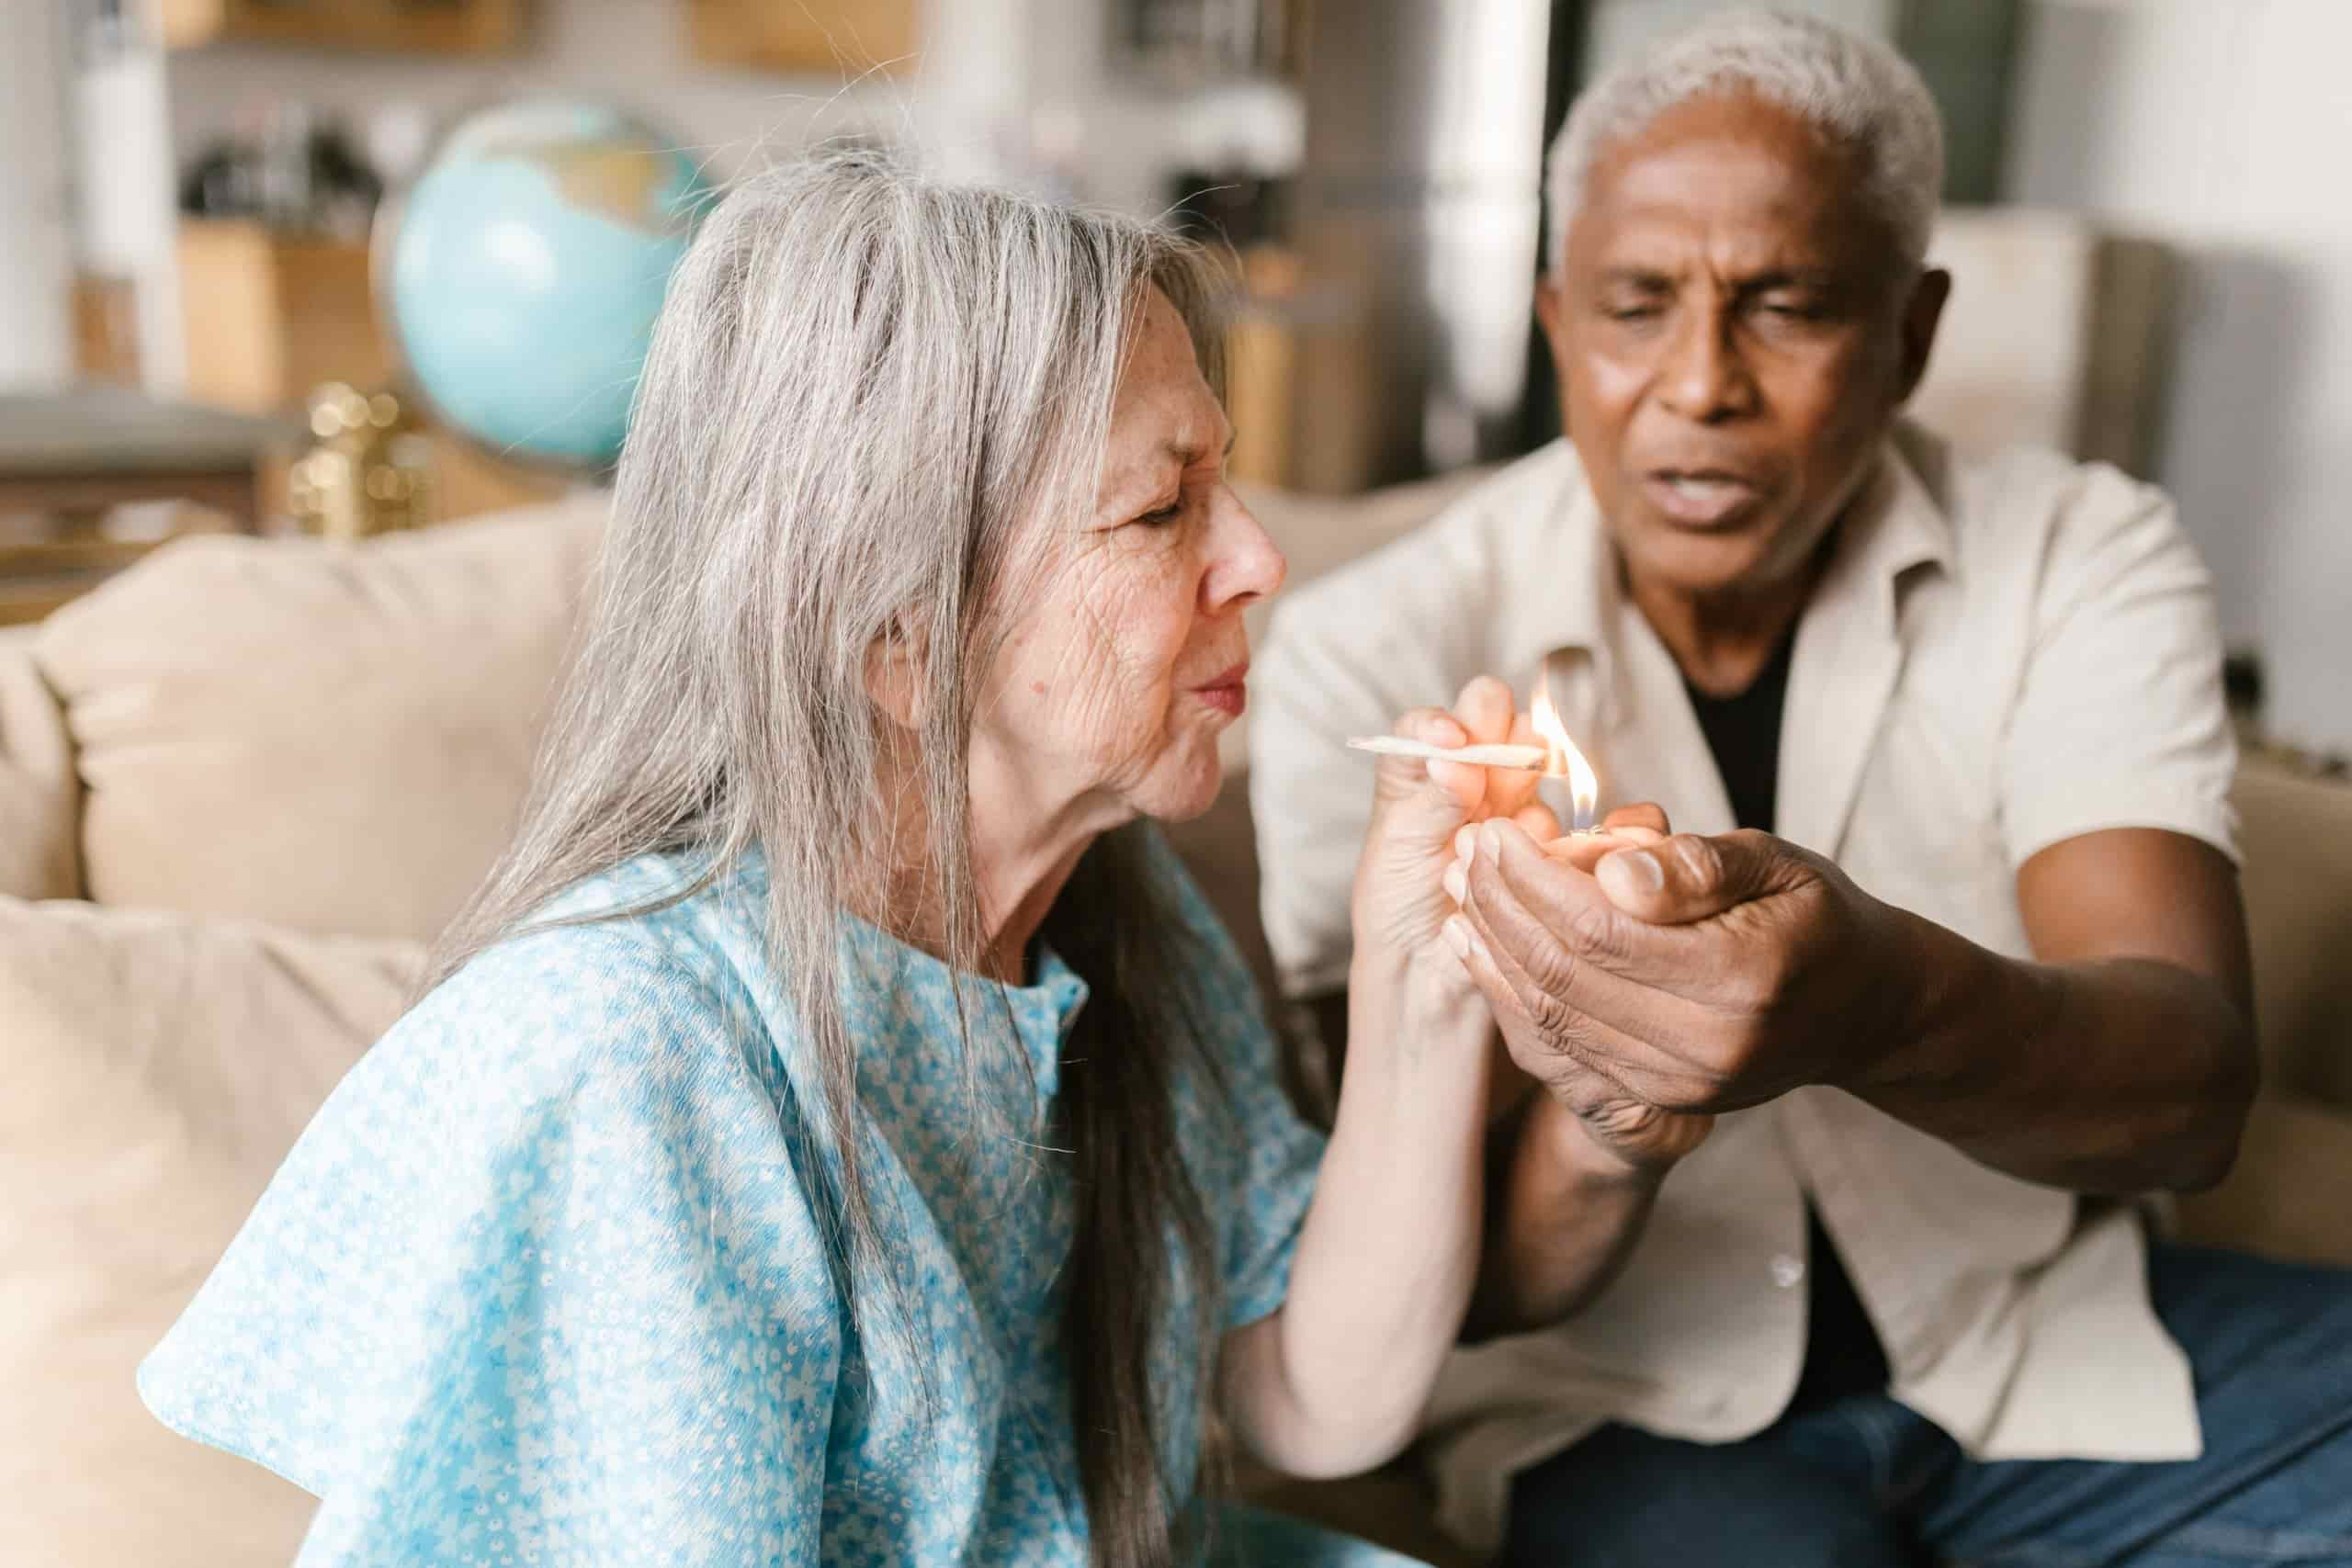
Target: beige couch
243	784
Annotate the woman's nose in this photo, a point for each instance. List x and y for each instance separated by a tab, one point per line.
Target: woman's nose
1244	565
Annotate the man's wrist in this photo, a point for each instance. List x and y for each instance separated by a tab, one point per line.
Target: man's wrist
1946	995
1575	1154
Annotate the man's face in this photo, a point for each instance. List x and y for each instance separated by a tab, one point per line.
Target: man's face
1733	333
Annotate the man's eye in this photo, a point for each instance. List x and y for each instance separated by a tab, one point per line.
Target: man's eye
1631	313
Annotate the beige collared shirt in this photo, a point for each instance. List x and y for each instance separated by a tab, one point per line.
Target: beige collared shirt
2003	653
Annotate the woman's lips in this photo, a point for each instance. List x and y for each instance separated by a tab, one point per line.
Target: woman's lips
1698	498
1229	693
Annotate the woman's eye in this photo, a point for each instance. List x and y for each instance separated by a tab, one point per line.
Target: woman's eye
1168	513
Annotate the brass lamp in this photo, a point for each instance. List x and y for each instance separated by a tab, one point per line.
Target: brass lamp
369	470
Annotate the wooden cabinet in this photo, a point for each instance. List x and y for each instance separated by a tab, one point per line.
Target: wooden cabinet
270	315
827	36
395	27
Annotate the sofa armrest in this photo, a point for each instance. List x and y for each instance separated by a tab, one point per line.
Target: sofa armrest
40	797
2284	1199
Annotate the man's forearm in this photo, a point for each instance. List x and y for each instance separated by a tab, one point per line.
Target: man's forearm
2123	1075
1560	1222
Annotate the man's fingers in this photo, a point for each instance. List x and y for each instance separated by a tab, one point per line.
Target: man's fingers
1575	1059
1544	909
1647	814
1690	877
1536	820
1586	851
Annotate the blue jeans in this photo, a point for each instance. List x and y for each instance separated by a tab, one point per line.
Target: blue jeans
1863	1483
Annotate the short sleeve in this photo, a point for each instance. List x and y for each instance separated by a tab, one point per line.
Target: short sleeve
537	1283
2120	720
1260	1155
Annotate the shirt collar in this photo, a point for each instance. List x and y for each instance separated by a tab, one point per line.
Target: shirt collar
1895	524
893	976
884	977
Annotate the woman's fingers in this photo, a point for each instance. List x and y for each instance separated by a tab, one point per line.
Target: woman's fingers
1401	777
1485	710
1512	790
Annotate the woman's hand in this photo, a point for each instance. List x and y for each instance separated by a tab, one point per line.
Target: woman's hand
1400	902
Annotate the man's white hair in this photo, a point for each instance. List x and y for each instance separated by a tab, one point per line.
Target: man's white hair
1854	90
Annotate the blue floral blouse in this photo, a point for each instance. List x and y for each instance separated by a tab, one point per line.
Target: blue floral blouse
543	1281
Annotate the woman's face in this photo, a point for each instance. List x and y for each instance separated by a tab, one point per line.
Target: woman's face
1117	676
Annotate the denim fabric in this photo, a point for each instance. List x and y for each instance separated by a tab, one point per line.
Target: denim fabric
1865	1483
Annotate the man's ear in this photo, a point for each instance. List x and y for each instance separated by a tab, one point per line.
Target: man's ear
894	676
1921	314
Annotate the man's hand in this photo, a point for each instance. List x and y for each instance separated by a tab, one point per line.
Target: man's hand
1609	1134
1680	978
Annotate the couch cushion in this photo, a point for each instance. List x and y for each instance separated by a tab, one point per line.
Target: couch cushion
38	794
325	737
158	1068
2285	1197
2296	836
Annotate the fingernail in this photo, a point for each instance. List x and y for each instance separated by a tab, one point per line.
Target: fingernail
1490	841
1457	935
1465	839
1457	882
1639	870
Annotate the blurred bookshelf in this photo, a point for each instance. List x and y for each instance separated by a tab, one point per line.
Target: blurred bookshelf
850	36
390	26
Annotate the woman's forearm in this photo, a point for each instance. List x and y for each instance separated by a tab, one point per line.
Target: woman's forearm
1334	1382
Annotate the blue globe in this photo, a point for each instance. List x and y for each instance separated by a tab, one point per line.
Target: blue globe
521	273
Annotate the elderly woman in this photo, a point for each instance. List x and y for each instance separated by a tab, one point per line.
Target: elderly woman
839	1132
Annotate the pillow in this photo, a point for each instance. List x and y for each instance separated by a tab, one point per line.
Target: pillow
158	1068
38	794
331	738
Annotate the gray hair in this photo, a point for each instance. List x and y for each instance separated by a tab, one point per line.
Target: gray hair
869	396
1854	90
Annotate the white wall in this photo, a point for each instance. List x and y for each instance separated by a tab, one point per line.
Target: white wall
2224	128
35	266
1617	29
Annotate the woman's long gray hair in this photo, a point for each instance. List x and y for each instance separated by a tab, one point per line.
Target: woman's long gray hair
868	394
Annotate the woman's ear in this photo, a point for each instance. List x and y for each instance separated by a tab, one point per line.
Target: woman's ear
894	676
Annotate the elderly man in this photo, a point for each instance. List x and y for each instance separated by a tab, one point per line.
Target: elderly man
1823	1241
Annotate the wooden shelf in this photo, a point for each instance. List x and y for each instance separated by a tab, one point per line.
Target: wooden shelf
826	37
279	314
384	27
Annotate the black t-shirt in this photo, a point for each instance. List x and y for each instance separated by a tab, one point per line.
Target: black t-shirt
1842	1352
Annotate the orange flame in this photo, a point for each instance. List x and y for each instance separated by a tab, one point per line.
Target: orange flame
1564	757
